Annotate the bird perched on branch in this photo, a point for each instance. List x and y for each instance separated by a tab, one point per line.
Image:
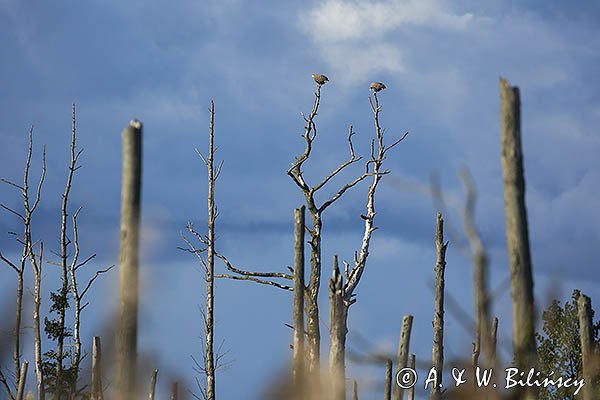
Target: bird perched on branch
377	87
320	79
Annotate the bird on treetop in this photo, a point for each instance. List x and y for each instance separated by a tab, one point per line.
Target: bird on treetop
320	79
377	87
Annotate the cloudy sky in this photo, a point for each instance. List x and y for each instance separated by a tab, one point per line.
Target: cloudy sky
441	61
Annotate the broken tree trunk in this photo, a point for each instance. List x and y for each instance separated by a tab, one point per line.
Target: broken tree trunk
338	330
96	369
387	393
22	380
403	348
411	364
517	235
586	335
298	307
129	261
437	357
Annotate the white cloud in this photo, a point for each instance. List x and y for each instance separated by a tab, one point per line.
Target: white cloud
352	36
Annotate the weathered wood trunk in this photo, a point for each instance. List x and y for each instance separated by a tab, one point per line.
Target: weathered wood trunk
96	393
152	385
517	235
588	356
126	367
298	306
355	390
387	389
209	357
437	357
338	331
403	349
22	380
411	364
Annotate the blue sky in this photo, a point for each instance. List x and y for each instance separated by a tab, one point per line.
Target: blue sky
441	60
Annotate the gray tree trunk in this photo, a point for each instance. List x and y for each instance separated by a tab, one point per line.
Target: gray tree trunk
298	311
437	357
411	364
517	235
387	392
403	349
96	369
129	261
355	391
209	359
338	330
586	335
22	381
152	385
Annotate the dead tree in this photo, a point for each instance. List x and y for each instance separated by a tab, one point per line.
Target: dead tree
403	349
27	244
480	267
22	381
411	364
316	211
387	388
129	261
298	306
437	358
355	391
338	330
517	235
152	385
588	353
96	390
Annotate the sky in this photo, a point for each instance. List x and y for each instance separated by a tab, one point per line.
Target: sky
441	62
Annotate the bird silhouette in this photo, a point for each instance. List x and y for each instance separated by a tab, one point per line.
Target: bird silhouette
320	79
377	87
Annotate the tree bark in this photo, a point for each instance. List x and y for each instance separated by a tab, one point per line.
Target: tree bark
22	381
129	261
517	235
152	385
411	364
298	311
387	389
97	369
586	336
209	359
437	357
355	391
338	330
403	349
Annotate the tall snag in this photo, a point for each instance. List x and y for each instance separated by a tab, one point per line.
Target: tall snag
517	235
129	261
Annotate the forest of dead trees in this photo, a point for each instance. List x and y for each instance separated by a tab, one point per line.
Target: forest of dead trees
67	365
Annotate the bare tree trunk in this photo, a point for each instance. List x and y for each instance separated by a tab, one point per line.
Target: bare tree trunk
174	391
480	266
29	207
129	261
152	385
338	331
22	381
586	335
17	330
437	357
64	243
387	389
411	364
97	369
298	312
517	235
209	360
37	331
311	301
403	349
355	391
494	339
